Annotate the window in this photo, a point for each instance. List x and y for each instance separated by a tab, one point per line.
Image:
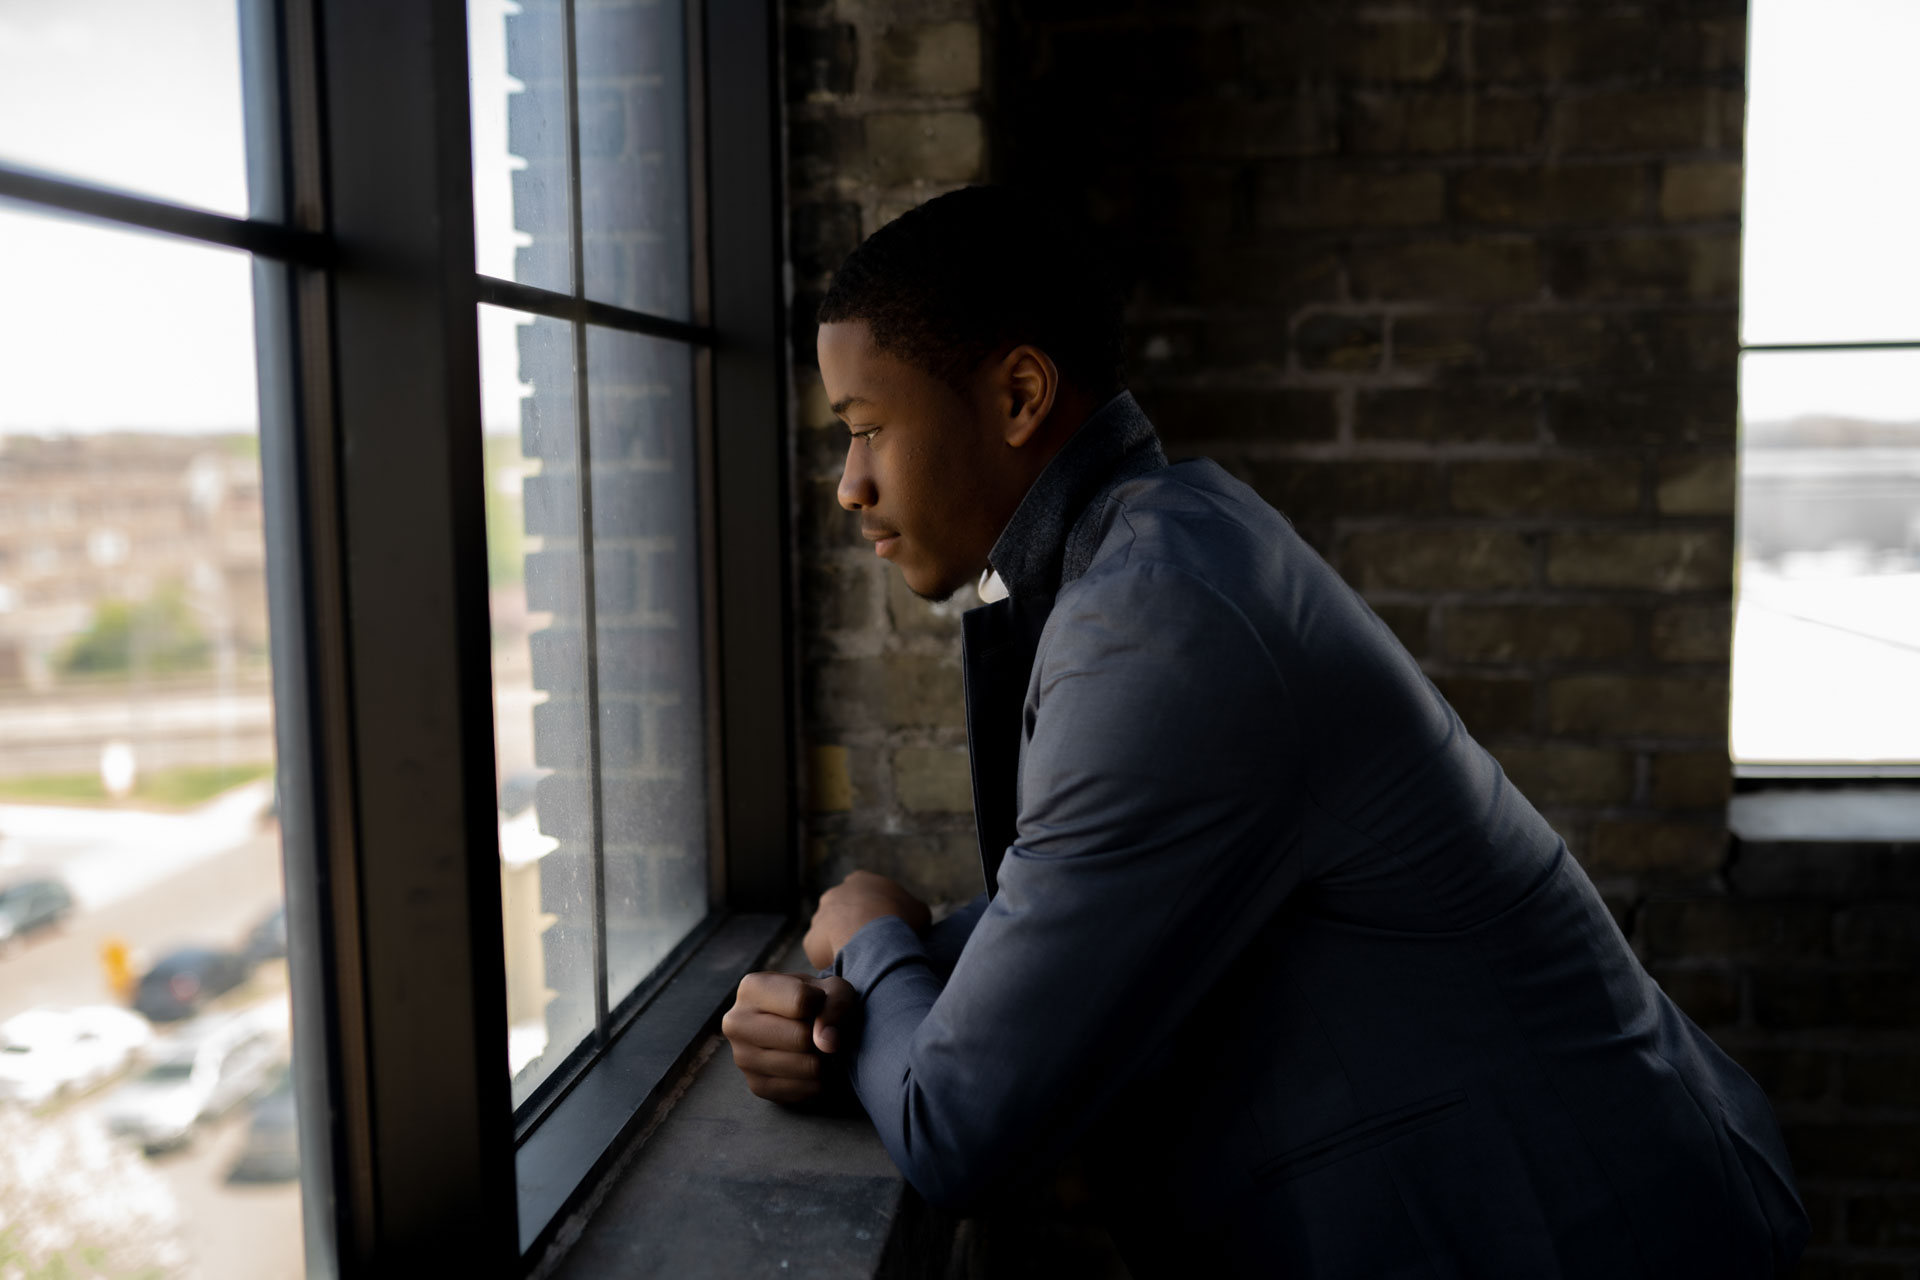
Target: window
512	344
1826	663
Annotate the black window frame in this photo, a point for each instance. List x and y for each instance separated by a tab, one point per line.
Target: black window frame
366	297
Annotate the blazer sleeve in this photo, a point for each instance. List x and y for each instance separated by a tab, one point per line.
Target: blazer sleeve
1151	846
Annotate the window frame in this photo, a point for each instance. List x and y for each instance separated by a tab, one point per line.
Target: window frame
366	300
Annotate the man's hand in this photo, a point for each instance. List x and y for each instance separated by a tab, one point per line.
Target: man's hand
853	903
780	1026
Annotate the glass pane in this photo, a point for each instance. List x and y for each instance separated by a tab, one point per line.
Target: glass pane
1831	98
521	219
646	561
633	154
1826	652
143	985
127	93
535	571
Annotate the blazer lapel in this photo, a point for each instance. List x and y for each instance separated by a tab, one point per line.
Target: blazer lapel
998	642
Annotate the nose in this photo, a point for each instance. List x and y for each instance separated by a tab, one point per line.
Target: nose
856	489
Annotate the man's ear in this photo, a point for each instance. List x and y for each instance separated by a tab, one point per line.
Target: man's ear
1029	382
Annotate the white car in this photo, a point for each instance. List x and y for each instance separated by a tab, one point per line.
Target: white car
194	1075
48	1052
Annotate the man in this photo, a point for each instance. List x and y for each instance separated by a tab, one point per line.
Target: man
1269	939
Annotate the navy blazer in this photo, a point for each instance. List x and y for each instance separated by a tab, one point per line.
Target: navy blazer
1275	944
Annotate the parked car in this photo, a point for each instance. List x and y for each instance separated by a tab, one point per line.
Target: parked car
47	1052
268	939
194	1075
180	985
271	1152
27	905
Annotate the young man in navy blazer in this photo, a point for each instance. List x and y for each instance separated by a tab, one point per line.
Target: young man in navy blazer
1267	937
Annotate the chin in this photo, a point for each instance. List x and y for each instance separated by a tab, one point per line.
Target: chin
934	591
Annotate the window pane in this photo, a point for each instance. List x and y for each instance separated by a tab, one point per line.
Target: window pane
535	570
646	554
522	223
143	986
633	154
1829	205
1826	655
127	93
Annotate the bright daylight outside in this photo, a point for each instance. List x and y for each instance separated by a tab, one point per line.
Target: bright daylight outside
146	1114
1826	653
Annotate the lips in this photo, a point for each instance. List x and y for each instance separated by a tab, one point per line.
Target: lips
884	540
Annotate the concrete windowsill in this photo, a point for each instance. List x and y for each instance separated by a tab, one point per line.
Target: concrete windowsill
725	1184
1870	814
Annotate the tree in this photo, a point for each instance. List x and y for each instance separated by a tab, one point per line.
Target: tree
157	636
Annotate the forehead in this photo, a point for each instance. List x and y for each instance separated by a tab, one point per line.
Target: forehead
855	371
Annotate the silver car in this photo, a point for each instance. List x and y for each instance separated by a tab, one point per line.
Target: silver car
193	1076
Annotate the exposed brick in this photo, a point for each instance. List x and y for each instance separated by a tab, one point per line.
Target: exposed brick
1881	1079
1890	1220
1653	705
821	236
1299	196
1706	191
836	597
1252	414
1447	341
1699	268
1696	486
1667	414
1392	50
1673	848
1437	559
927	146
1570	486
1489	705
1651	344
1509	633
1732	929
1442	123
1550	196
1692	633
1791	999
1314	490
920	691
1505	270
820	60
1879	932
1828	869
1691	779
829	785
1301	123
1555	774
942	58
1501	414
932	779
1677	119
1855	1149
1580	47
1347	343
1666	560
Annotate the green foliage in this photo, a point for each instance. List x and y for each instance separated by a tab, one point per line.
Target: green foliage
180	788
506	537
156	637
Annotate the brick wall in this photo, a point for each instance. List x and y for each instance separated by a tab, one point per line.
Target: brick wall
885	109
1805	965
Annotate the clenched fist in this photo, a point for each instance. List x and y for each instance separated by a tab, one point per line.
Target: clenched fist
781	1026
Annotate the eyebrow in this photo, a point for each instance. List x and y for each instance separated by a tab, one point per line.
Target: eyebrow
841	405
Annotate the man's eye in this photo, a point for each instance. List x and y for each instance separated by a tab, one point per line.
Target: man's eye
866	436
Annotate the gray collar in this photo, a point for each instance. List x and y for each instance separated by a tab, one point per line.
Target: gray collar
1055	530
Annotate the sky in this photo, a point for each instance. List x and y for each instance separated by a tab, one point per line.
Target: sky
104	329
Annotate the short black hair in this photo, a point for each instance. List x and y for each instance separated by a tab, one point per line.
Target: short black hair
948	283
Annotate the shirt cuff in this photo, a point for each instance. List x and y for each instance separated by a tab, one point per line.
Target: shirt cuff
882	945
